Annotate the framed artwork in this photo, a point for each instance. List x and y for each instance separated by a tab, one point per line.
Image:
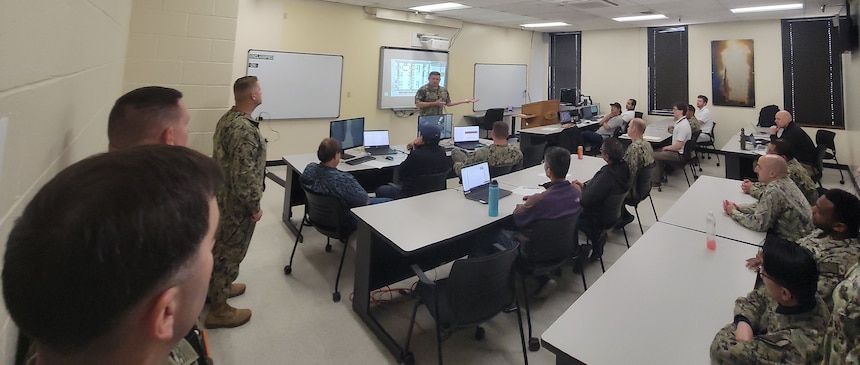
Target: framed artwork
733	73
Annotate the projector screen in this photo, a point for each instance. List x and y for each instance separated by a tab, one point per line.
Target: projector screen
402	71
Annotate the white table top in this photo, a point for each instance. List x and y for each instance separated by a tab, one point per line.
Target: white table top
734	146
423	220
707	194
300	161
556	128
532	177
662	302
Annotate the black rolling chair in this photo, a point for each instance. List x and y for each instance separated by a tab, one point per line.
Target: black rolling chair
688	158
708	146
491	116
637	114
640	190
611	215
426	183
476	290
533	155
551	246
328	216
827	138
496	171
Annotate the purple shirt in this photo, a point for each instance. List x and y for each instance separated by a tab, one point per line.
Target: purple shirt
560	199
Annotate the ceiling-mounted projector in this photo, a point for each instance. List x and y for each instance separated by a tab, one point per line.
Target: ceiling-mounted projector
434	42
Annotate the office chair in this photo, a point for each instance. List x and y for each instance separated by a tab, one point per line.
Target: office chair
533	155
820	152
491	116
767	115
328	216
705	145
475	291
426	183
551	246
496	171
637	114
688	158
611	216
827	138
640	190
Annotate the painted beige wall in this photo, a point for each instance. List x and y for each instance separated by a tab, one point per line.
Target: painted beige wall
328	28
62	68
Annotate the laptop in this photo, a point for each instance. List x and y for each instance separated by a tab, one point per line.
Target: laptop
476	183
376	143
467	137
564	117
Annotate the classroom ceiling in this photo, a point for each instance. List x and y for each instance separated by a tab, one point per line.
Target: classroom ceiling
598	14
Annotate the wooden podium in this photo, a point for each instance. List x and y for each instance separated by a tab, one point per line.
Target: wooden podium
539	114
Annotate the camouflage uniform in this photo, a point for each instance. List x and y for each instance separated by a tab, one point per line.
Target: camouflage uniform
779	336
801	178
494	154
842	341
240	150
694	125
638	155
782	209
834	258
425	94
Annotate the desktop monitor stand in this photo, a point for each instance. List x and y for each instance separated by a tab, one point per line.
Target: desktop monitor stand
345	156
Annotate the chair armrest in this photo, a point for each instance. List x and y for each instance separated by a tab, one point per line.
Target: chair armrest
421	276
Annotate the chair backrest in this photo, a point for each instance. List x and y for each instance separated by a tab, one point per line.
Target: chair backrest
637	114
618	131
641	188
767	115
492	116
612	213
550	240
570	139
427	183
327	214
481	287
533	155
689	147
826	138
820	151
496	171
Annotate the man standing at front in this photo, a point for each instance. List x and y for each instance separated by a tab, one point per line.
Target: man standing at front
240	150
431	99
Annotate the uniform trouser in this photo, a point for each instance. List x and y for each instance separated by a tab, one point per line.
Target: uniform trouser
231	245
663	156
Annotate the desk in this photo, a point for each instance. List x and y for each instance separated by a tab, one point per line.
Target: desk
662	302
532	177
536	135
740	163
707	194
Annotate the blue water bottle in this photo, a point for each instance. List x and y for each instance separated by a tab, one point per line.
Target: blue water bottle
493	199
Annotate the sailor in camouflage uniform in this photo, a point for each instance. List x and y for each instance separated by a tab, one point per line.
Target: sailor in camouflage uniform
638	155
500	153
842	340
240	150
431	99
796	172
782	322
695	125
782	209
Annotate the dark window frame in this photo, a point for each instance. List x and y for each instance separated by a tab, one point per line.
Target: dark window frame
668	68
562	73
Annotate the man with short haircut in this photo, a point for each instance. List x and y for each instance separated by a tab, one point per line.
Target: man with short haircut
781	209
695	125
782	323
638	155
796	173
608	125
325	179
834	242
789	131
148	115
431	99
240	150
842	339
612	179
630	111
500	153
706	121
426	157
681	133
109	263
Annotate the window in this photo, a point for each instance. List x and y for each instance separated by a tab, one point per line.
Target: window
812	72
667	69
564	62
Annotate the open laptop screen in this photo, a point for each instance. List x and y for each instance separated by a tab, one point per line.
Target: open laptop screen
466	134
375	139
445	122
475	176
564	116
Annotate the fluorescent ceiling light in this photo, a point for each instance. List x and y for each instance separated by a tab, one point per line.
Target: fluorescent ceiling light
543	25
439	7
639	18
756	9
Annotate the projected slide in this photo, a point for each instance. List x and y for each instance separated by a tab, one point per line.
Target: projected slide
402	71
407	76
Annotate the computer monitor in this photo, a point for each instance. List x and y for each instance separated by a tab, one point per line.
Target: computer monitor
586	112
349	132
569	96
595	109
445	122
564	116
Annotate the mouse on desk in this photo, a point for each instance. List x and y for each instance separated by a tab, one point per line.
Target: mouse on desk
389	158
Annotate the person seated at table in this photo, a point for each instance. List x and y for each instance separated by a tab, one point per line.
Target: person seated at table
842	339
325	179
796	173
781	209
784	321
788	130
608	125
426	157
638	155
612	179
500	153
834	241
695	125
681	133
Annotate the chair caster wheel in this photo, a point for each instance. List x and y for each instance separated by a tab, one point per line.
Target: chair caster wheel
479	333
408	359
534	344
842	182
718	164
659	188
327	248
335	297
288	270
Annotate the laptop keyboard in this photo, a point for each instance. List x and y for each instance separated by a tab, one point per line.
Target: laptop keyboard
360	160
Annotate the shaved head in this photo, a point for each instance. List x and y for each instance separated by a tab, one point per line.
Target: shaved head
636	128
771	167
782	118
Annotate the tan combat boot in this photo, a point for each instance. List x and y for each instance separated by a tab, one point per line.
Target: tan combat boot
225	316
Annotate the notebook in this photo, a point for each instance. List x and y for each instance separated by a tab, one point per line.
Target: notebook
476	183
467	137
376	143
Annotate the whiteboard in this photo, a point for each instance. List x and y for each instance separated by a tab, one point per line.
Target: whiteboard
297	85
500	86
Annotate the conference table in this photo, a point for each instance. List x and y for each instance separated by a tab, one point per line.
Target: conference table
430	230
739	162
536	135
706	195
662	302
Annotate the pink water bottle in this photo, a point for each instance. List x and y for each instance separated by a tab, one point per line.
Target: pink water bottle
711	226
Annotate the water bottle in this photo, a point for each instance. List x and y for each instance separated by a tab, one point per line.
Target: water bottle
493	199
711	227
743	140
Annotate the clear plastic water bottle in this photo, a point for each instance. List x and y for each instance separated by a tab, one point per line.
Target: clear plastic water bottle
493	199
711	227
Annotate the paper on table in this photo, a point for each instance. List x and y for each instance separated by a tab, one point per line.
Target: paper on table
549	128
375	164
652	139
524	191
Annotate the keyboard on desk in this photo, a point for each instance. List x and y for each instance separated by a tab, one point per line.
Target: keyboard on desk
359	160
